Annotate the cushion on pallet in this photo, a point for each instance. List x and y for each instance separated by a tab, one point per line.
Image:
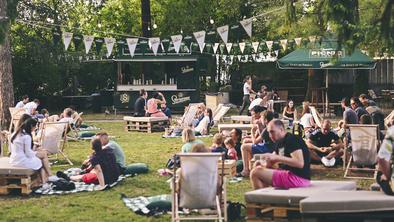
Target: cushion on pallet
347	202
293	196
7	169
145	119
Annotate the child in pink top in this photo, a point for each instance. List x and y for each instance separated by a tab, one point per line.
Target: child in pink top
232	152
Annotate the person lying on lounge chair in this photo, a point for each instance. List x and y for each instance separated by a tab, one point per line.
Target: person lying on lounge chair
292	157
324	145
385	156
261	142
103	169
203	127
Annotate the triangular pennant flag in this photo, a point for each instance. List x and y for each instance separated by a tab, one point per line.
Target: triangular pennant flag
254	57
312	38
246	58
215	47
255	46
247	25
109	43
132	44
269	44
283	43
77	40
223	32
242	46
67	36
298	41
276	53
200	38
177	41
239	57
154	44
88	41
224	57
99	44
228	47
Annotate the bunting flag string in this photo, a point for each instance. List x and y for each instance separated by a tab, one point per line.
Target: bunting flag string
132	44
242	47
200	38
177	41
109	43
67	36
247	25
88	41
223	33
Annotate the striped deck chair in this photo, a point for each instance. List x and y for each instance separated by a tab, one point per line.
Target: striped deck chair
218	117
188	116
16	114
364	152
53	138
199	185
316	116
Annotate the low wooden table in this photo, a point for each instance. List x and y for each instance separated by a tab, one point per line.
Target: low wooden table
241	119
146	124
243	127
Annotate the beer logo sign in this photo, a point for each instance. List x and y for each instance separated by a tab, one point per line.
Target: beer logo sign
180	98
124	98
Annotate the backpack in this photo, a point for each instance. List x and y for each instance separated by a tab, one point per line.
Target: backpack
63	185
234	210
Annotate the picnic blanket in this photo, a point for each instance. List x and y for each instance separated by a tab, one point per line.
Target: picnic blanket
149	206
79	186
174	136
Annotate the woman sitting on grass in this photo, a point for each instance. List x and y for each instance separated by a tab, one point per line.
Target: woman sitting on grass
22	154
103	169
189	139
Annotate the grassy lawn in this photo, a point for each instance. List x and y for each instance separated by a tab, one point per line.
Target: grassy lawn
107	205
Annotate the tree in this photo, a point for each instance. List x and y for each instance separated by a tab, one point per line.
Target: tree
7	9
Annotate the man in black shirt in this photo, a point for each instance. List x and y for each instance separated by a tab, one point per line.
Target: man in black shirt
292	157
325	145
140	104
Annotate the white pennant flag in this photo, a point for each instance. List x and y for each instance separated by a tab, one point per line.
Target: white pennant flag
239	57
200	38
247	25
109	43
67	36
276	53
154	44
283	43
254	57
177	41
312	38
255	46
88	41
298	41
215	47
228	47
132	44
242	47
269	45
223	33
246	58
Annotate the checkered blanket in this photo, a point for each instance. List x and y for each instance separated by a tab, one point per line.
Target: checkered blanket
140	205
79	186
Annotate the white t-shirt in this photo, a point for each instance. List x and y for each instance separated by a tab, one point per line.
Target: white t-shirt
306	120
255	102
246	88
20	104
202	127
29	107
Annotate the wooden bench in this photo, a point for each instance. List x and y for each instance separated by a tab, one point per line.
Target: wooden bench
241	119
230	167
16	179
243	127
146	124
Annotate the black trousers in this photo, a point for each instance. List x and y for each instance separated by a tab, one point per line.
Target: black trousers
245	104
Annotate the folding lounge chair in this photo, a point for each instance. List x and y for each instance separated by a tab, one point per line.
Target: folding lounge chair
16	114
217	108
389	118
220	114
53	139
316	116
196	187
188	116
364	149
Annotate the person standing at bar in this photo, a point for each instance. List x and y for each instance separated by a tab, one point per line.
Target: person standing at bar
247	90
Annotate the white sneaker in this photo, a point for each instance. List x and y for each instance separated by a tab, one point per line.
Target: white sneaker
331	162
53	178
325	161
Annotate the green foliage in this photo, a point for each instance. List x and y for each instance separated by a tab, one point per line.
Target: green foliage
10	15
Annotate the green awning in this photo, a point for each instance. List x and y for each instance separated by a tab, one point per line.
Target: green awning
323	58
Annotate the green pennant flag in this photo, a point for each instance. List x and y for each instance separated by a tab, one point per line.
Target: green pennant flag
77	40
99	44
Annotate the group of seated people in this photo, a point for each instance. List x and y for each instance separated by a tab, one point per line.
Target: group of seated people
153	107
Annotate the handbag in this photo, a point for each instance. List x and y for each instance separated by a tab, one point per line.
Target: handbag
234	210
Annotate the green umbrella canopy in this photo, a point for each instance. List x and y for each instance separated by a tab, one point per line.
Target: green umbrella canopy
324	58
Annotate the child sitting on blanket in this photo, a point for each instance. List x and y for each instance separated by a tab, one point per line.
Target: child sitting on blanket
230	145
102	170
217	144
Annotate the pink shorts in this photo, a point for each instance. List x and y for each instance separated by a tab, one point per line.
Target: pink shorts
158	114
285	179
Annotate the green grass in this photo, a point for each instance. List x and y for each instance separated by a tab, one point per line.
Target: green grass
106	205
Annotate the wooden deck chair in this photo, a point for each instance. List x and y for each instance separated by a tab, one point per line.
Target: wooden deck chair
199	185
373	95
388	120
316	116
16	114
189	114
364	144
53	138
217	109
220	114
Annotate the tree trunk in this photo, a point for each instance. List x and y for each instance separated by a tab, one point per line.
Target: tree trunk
6	82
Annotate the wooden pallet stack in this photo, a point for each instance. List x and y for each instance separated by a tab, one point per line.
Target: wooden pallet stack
17	184
230	168
146	124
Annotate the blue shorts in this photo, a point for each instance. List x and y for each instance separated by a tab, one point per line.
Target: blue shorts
261	148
